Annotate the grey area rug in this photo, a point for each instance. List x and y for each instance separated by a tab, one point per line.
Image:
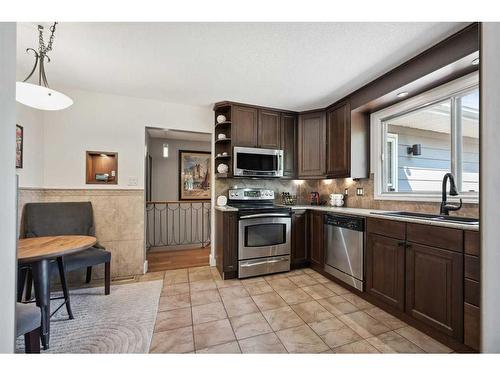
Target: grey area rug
121	322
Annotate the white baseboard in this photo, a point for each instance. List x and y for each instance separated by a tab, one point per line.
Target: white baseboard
212	260
145	266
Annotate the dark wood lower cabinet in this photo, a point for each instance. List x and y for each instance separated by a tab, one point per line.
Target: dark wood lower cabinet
434	288
472	289
299	255
385	269
226	244
471	326
316	239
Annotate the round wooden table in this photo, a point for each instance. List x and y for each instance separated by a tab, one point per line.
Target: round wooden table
38	252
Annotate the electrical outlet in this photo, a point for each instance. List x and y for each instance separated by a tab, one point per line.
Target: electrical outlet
360	192
132	181
346	191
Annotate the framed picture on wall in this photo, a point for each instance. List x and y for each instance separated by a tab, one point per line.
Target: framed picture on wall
19	146
194	175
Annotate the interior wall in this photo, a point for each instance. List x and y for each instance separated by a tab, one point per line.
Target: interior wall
31	174
490	181
8	185
165	176
102	122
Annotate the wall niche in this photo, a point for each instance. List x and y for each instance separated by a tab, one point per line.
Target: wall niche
102	168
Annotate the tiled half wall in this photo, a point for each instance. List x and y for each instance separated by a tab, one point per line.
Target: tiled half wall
302	188
119	221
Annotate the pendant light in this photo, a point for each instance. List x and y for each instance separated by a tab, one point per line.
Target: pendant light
39	95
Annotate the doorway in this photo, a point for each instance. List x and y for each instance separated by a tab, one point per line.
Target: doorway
178	199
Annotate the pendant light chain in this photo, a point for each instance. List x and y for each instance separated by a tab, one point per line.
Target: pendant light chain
44	49
41	55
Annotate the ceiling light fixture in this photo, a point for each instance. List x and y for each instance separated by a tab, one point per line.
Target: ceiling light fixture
39	95
402	94
475	61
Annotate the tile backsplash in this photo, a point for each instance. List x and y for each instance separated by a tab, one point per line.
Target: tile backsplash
302	188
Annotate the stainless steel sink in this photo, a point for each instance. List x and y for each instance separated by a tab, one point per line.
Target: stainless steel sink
418	215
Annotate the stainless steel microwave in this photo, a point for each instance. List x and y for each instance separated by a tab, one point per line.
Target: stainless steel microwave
257	162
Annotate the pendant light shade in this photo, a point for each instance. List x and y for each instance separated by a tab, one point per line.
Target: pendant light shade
40	96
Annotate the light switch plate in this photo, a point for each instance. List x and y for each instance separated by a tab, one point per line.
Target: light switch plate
360	192
132	181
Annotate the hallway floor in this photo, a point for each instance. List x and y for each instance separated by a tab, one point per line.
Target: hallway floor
296	312
163	260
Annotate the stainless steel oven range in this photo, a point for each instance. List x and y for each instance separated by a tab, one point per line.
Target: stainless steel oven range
264	232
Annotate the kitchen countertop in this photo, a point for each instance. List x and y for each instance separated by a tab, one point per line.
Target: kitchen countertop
225	208
367	212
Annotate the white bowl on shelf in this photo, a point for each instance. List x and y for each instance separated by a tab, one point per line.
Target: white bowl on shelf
221	200
222	168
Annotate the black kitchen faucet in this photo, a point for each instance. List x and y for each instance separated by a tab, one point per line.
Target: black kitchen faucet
446	207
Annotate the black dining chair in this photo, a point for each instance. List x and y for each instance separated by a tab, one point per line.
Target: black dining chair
66	218
28	324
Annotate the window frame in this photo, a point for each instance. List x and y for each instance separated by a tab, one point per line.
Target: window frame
378	137
392	138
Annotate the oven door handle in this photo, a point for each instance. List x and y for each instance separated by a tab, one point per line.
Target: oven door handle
264	215
264	262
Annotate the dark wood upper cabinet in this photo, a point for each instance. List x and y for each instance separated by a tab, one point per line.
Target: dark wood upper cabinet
316	239
434	288
338	142
244	128
269	129
385	269
311	145
298	257
289	144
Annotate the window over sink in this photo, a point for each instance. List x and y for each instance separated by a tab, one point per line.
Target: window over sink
417	141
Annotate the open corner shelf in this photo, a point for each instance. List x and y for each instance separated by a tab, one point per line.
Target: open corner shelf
223	140
223	123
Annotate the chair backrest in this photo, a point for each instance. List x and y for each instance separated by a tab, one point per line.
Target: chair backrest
58	218
27	318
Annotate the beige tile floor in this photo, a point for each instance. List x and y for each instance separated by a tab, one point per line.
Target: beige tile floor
296	312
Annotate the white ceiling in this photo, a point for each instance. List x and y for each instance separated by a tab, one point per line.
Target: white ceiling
294	66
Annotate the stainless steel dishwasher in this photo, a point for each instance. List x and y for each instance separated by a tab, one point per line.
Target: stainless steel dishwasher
344	237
